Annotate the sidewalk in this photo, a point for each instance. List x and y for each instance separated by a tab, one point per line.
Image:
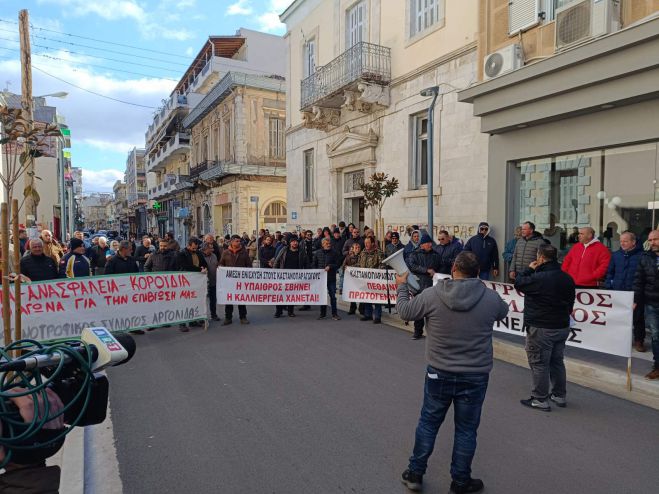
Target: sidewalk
598	371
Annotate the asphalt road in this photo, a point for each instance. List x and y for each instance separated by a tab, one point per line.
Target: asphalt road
305	406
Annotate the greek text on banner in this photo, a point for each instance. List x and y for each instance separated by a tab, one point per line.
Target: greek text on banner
62	308
602	318
246	286
369	286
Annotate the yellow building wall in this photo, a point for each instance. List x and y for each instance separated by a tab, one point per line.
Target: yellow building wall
238	194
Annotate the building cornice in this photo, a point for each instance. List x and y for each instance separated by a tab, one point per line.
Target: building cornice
433	64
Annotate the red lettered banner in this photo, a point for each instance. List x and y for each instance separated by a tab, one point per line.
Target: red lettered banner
62	308
369	286
246	286
601	319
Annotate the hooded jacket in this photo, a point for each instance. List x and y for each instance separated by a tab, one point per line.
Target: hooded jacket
548	296
622	268
420	261
526	251
587	264
411	246
486	250
460	316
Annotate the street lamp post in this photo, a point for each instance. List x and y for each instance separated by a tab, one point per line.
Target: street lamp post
434	92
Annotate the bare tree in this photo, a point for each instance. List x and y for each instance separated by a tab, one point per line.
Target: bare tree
21	145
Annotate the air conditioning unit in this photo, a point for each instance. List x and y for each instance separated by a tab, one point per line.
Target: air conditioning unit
582	20
502	61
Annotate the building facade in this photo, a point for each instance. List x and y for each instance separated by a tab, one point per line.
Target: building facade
120	208
356	70
47	169
238	153
136	192
95	211
168	154
573	133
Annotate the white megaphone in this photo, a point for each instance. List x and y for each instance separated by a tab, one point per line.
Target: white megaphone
397	263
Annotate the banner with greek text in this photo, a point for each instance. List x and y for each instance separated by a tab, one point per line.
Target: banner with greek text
63	308
369	286
246	286
602	319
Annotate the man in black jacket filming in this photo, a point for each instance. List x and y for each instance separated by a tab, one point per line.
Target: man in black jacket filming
548	302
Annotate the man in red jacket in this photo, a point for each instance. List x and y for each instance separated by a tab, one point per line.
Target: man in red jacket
588	260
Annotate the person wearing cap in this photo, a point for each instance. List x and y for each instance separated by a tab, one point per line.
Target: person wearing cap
423	262
394	246
75	264
291	257
235	256
486	250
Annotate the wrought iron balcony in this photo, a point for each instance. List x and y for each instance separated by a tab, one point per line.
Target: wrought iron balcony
362	63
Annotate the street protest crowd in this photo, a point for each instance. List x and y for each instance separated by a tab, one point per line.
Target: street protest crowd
333	248
458	362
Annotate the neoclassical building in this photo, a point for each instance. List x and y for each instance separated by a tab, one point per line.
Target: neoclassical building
355	73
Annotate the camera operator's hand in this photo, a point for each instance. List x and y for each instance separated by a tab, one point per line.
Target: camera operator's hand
25	405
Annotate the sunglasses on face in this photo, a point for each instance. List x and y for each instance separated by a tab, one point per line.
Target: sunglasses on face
484	229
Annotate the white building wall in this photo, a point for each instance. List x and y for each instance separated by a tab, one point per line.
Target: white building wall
460	157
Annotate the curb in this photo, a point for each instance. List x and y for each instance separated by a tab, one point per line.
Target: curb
594	376
71	460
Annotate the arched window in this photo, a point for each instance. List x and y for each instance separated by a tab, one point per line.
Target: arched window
275	213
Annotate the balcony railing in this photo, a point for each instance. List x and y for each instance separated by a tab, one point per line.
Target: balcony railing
362	62
198	169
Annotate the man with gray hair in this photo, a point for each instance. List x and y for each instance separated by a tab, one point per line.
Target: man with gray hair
36	265
620	276
122	262
588	260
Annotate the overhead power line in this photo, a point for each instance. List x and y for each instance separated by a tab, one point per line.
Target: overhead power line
70	43
92	92
99	40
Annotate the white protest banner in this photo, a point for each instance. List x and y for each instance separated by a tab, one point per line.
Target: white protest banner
247	286
62	308
369	286
602	318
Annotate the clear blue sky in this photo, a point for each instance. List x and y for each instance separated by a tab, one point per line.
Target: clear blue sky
104	130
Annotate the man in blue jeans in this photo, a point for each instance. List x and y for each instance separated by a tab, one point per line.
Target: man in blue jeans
646	291
460	315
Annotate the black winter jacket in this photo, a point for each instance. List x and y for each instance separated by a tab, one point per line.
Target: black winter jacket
39	268
266	254
448	253
121	265
323	258
486	250
646	280
548	296
420	261
280	260
184	261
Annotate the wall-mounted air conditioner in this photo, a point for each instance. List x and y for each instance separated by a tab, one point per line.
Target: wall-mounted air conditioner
502	61
582	20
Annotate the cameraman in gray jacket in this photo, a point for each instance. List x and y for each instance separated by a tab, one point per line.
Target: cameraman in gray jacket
460	314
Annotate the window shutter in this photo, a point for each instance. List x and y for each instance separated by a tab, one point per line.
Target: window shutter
522	14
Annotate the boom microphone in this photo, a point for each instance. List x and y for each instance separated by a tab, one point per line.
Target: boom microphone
107	349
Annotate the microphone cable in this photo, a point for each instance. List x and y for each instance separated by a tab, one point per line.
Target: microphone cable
20	435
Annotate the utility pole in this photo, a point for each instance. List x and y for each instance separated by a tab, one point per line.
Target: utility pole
26	103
